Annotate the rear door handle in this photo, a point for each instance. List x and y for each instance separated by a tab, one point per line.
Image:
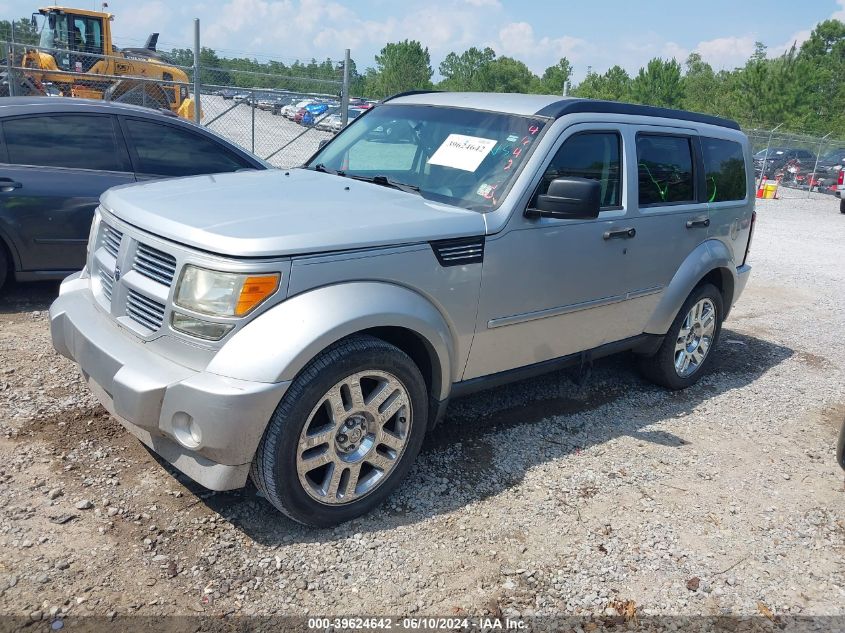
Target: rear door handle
698	223
7	185
621	234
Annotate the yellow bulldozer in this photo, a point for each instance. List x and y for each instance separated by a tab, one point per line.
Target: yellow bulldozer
77	58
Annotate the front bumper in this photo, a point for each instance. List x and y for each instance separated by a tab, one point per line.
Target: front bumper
206	425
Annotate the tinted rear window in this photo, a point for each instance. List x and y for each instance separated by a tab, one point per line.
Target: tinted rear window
724	168
664	165
63	140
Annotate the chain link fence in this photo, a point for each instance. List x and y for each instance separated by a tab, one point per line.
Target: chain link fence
800	163
280	117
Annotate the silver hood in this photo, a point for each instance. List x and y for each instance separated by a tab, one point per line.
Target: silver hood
274	212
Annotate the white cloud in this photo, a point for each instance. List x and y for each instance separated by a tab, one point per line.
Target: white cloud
494	4
671	50
517	39
726	52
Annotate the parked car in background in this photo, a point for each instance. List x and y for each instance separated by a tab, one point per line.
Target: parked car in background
243	97
279	103
290	111
314	112
59	155
831	162
227	93
840	190
778	158
311	324
266	103
334	122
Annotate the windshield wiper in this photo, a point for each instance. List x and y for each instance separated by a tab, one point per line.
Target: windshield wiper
327	170
386	181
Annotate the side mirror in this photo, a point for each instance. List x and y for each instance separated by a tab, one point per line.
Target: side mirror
323	142
568	198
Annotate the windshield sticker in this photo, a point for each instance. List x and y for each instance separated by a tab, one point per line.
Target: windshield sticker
462	152
485	190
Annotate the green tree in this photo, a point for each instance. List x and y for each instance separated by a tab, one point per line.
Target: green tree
25	33
555	77
505	74
659	84
400	66
700	84
614	85
465	72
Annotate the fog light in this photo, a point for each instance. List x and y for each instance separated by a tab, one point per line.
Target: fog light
198	327
186	431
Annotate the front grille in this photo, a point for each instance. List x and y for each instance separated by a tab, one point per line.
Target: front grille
111	239
156	265
107	282
144	311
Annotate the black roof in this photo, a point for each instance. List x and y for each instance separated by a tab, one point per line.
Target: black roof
570	105
573	106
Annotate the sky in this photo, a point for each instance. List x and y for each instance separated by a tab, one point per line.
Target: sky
595	34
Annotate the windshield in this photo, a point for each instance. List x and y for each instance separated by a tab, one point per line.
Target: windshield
462	157
54	31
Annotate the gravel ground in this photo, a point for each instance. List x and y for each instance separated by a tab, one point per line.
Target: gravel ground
562	495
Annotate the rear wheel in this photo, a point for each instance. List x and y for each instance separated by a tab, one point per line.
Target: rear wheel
688	346
842	206
345	434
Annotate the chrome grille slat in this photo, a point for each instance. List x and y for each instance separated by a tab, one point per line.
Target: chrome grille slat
144	310
155	264
107	282
111	239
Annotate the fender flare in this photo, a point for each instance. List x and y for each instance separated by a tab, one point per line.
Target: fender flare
706	257
277	345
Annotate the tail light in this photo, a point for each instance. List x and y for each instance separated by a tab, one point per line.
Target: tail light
841	179
750	235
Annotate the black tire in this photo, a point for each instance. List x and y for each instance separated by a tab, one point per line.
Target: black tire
660	367
274	469
841	206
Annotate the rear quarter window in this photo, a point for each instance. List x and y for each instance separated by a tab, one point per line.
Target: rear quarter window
724	167
168	150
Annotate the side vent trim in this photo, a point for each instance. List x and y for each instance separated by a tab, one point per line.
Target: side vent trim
460	251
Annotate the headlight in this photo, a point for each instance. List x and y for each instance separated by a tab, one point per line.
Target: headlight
222	294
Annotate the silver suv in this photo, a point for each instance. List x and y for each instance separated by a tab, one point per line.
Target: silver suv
305	328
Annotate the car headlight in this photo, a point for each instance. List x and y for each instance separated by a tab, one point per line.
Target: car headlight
222	294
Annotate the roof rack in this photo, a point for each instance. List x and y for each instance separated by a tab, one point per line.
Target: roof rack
572	106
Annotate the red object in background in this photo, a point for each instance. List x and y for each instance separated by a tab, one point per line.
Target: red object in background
299	114
841	179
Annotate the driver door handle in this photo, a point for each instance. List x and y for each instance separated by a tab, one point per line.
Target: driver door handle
698	223
620	234
7	185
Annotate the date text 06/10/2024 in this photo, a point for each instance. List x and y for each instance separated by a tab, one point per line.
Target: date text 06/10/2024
416	623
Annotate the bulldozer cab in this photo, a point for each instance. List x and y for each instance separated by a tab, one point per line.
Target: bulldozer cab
77	38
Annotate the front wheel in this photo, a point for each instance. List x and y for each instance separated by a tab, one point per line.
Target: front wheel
345	434
688	346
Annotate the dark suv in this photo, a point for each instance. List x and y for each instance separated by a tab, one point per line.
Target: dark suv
58	155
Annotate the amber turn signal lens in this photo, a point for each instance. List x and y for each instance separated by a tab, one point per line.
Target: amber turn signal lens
255	290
